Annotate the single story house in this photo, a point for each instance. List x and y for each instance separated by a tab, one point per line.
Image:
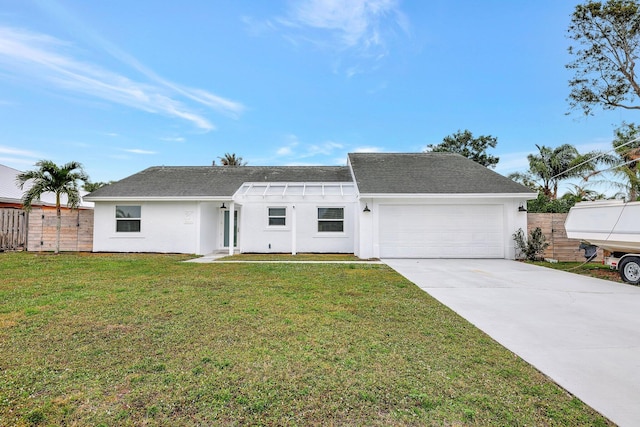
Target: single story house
381	205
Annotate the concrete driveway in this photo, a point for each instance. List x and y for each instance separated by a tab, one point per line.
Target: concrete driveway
582	332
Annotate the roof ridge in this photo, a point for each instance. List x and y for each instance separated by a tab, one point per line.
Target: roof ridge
243	167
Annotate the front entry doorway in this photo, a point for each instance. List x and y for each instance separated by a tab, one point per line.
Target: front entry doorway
226	229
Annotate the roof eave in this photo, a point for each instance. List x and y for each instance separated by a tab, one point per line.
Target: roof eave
158	198
526	196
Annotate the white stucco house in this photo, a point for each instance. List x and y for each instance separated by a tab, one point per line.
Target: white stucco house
381	205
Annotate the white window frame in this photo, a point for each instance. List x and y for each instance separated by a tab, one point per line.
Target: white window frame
130	218
270	216
326	220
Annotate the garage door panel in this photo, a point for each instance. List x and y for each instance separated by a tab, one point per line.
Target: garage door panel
441	231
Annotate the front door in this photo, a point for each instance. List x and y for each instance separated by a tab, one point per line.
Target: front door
226	229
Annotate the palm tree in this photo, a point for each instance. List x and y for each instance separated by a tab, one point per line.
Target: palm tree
51	178
626	158
582	193
552	165
93	186
231	160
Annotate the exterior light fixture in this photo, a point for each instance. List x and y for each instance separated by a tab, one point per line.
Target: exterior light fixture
223	206
366	208
522	208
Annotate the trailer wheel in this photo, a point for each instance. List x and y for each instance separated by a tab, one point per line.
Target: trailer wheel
630	270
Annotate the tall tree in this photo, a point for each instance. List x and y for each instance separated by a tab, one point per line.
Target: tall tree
51	178
607	41
550	166
230	159
463	142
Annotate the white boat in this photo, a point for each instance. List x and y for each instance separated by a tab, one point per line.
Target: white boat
610	224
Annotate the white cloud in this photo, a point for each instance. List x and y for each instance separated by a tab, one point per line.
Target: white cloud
16	161
370	149
355	23
288	149
138	151
360	31
173	139
284	151
17	158
44	59
326	148
18	152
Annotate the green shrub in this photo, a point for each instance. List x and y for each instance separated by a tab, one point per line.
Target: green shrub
544	204
532	247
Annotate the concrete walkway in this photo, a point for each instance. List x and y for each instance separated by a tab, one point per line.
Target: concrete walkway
216	257
582	332
209	257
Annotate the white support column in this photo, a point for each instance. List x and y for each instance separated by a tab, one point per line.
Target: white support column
294	233
231	227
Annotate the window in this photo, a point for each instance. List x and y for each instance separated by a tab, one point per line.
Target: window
127	219
330	220
277	216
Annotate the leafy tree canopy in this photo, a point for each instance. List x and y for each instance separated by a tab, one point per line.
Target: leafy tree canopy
544	204
463	142
93	186
606	38
625	162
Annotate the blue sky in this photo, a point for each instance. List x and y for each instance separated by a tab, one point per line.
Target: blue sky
122	85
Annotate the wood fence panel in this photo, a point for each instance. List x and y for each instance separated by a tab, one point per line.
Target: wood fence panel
13	229
560	247
76	231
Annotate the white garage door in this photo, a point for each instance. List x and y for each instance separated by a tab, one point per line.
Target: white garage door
441	231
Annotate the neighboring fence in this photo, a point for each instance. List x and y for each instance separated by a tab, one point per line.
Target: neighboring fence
13	229
76	232
560	247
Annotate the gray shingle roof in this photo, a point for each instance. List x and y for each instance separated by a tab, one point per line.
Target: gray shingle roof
375	173
427	173
214	181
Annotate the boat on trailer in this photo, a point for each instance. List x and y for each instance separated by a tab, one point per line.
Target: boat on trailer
614	226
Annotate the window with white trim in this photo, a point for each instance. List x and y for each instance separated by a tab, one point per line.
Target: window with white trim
277	217
128	219
330	220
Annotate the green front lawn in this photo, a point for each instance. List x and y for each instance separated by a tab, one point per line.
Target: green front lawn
148	340
593	269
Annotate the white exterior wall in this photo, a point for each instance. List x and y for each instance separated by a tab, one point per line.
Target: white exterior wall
196	227
209	216
368	244
301	230
171	227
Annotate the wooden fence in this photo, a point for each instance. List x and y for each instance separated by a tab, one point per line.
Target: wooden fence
560	247
76	232
13	229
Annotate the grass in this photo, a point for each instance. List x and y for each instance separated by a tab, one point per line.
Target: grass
147	340
592	269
